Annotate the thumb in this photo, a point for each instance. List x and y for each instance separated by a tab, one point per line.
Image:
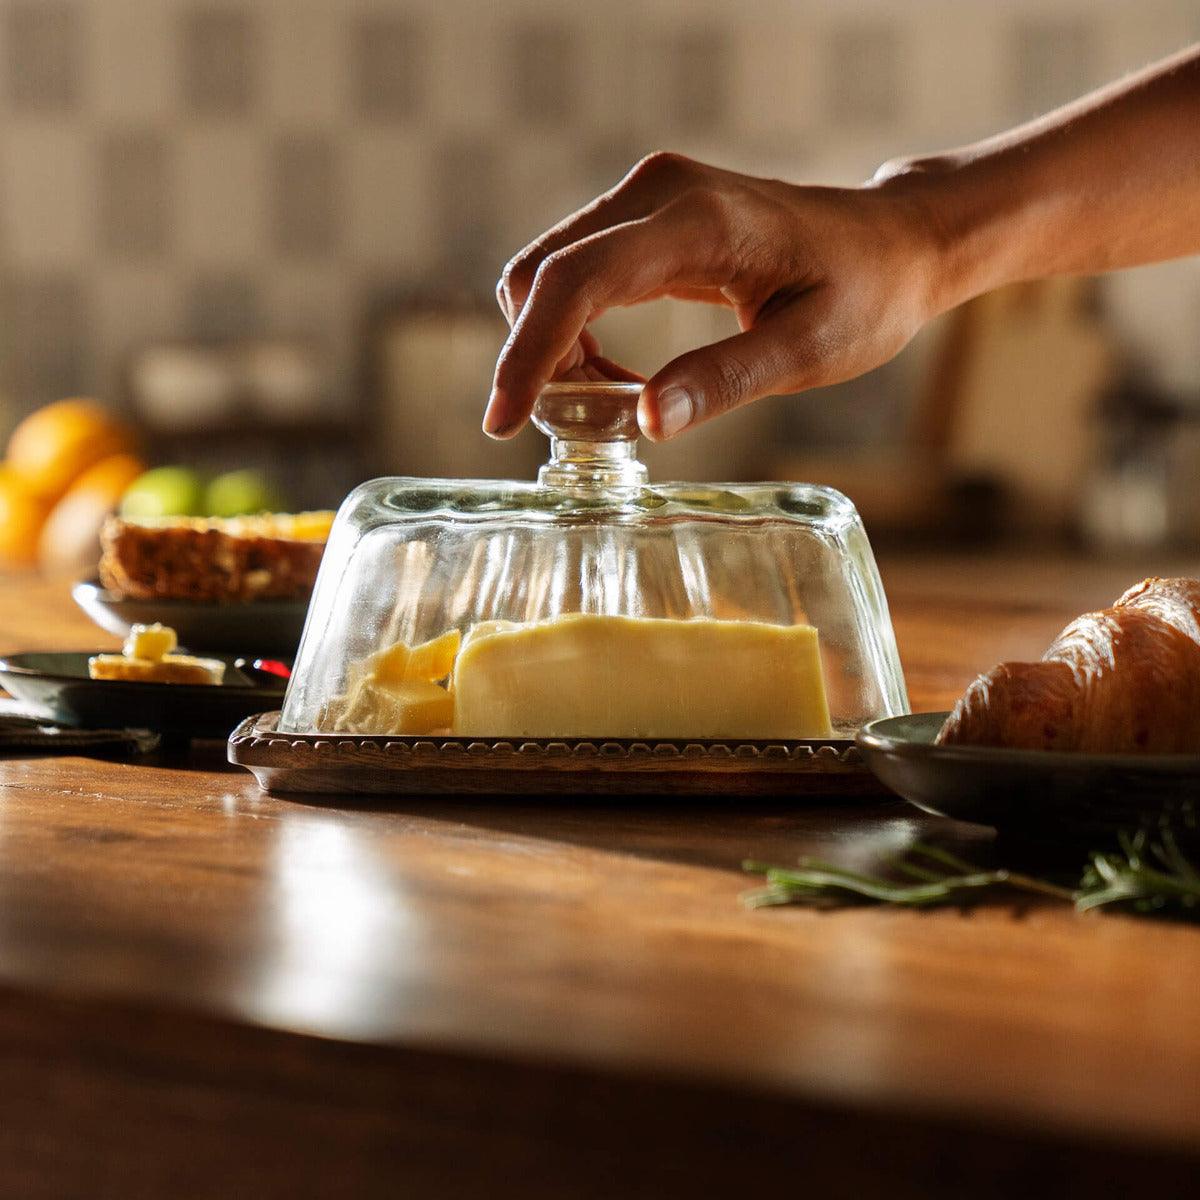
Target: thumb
704	383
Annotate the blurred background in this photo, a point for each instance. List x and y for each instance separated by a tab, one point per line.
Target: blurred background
267	233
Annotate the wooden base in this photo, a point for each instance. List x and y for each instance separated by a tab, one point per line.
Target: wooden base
389	765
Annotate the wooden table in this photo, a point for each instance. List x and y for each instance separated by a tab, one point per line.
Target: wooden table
208	992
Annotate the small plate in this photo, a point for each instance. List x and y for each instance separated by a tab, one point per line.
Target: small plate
263	627
1029	791
58	685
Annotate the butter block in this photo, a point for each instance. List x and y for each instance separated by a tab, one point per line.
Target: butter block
150	642
411	706
171	668
395	690
147	658
388	664
434	660
430	661
583	675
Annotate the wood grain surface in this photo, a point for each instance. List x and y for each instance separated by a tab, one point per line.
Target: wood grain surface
207	991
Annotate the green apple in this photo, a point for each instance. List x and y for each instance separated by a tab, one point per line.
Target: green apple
239	492
164	492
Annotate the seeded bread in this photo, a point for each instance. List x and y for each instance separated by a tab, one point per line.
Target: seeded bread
270	557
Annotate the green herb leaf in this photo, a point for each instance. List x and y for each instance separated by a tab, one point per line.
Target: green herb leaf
1143	875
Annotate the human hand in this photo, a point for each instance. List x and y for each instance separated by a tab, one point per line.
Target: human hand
826	283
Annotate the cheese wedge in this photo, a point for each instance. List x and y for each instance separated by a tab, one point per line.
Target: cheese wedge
583	675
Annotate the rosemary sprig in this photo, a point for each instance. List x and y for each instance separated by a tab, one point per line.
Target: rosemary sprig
1144	875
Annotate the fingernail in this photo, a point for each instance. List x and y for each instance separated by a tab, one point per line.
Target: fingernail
675	411
493	422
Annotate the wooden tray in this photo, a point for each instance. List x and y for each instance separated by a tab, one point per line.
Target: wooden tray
383	764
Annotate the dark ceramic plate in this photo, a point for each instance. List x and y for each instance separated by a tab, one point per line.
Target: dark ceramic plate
58	685
264	627
1029	791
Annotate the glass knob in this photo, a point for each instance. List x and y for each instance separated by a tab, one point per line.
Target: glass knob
588	412
593	433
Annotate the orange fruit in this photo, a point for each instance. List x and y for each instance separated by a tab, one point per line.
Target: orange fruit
70	538
22	514
52	447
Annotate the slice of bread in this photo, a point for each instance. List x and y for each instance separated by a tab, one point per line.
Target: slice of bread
274	556
171	668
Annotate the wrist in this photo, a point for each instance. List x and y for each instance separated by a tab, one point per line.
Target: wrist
967	222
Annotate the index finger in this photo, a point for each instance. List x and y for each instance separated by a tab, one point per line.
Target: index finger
646	186
618	266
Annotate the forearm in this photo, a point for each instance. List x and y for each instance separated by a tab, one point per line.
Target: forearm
828	283
1110	181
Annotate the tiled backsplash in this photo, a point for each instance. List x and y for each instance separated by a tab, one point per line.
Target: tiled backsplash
189	168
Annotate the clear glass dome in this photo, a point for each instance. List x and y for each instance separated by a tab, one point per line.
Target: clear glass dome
593	597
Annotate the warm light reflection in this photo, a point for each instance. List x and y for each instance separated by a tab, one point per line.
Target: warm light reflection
854	1026
341	927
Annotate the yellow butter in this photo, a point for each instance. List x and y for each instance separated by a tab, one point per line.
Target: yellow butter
434	660
430	661
150	642
395	690
582	675
388	664
308	526
414	706
147	658
171	668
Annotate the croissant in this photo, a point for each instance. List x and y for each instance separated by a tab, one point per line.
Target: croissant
1125	680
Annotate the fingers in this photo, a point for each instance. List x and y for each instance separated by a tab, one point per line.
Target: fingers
586	362
771	357
516	281
601	370
618	266
612	372
651	183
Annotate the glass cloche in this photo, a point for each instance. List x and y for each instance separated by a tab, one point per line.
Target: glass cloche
593	603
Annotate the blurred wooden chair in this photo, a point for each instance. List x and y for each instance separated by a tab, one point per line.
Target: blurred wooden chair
1003	417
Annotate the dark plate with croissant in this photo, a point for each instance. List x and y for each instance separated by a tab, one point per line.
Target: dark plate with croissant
1030	792
1103	732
